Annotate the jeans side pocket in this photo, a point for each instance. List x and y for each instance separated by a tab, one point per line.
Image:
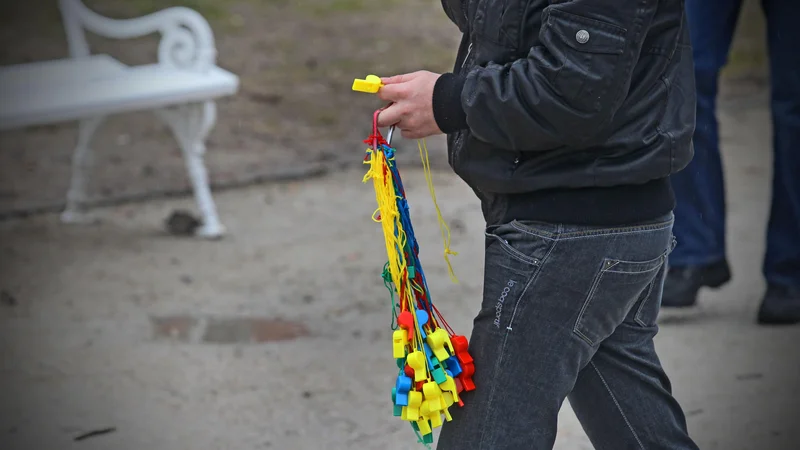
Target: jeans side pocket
525	248
512	260
618	288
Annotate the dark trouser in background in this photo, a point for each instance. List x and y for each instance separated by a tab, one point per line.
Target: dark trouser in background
570	311
700	214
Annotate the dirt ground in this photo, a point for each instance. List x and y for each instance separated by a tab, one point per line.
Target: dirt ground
294	114
116	335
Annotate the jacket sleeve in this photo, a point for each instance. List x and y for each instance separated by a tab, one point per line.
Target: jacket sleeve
566	90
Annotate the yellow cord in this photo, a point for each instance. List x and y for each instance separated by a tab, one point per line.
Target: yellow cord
389	215
426	167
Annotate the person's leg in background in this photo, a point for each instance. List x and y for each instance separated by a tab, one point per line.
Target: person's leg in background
699	258
782	261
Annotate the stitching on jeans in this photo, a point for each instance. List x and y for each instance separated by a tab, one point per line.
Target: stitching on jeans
589	298
590	233
606	232
638	317
530	282
619	408
596	284
511	251
538	233
624	272
502	353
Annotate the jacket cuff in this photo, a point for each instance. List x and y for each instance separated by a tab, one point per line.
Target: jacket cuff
447	109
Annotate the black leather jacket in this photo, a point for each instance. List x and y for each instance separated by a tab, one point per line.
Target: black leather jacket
567	94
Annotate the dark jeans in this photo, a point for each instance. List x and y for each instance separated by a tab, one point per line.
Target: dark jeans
569	311
700	214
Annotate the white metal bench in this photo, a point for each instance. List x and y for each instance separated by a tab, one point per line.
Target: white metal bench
180	89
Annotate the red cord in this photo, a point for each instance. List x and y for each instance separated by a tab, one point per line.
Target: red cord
376	139
444	322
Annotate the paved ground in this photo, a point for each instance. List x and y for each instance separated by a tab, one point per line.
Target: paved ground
278	336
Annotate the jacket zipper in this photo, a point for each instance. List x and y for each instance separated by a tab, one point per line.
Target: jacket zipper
460	136
466	58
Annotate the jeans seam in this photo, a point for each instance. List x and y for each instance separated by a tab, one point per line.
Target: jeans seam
619	407
638	317
588	233
586	303
615	232
530	282
538	233
509	328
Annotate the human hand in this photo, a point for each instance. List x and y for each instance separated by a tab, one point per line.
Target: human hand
411	108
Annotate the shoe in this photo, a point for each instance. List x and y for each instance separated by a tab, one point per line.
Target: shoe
684	282
781	306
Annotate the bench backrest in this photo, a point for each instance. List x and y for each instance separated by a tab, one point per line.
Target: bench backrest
187	41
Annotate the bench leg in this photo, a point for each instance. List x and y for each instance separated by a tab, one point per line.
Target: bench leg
77	196
191	125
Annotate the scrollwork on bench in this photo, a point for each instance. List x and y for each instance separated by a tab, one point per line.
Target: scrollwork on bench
187	41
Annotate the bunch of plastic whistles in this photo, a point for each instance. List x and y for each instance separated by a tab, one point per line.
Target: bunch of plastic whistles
434	364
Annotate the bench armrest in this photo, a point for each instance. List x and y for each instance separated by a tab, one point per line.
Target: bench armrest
187	41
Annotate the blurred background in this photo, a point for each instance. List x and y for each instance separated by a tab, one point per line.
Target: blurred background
119	335
296	61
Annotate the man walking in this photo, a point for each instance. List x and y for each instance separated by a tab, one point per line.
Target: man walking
700	258
567	119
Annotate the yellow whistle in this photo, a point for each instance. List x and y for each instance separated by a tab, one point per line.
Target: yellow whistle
416	360
436	419
439	342
433	395
449	387
448	399
399	339
447	415
414	403
370	85
424	427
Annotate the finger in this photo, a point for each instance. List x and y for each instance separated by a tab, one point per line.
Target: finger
393	92
412	134
389	116
398	78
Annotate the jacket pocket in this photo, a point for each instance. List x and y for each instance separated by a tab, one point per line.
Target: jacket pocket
618	288
589	51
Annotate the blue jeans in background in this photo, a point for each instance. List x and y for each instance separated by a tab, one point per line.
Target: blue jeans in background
570	312
700	213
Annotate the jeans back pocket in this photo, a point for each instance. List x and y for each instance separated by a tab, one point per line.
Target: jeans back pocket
617	288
